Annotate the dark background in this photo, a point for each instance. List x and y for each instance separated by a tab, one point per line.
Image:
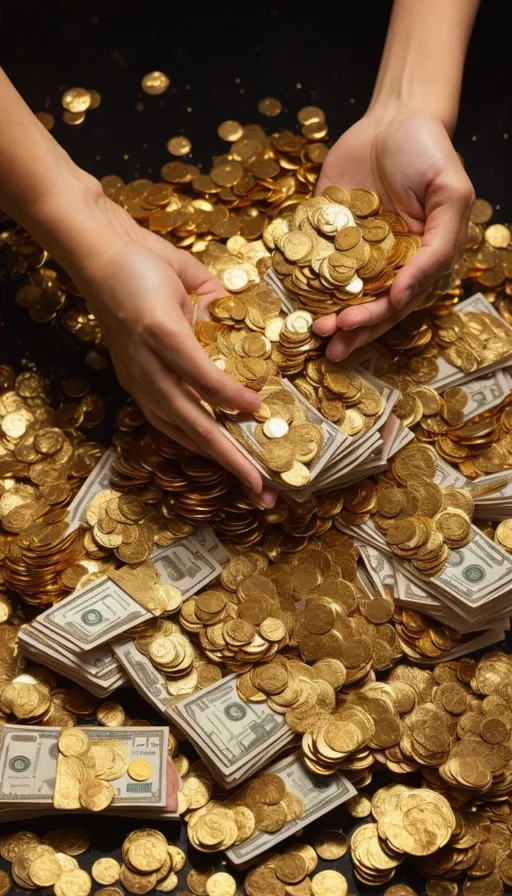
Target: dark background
220	62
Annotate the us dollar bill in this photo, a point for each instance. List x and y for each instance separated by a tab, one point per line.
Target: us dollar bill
334	441
104	610
485	392
233	737
187	564
207	539
148	681
379	567
318	793
98	670
449	374
477	578
98	613
29	756
97	480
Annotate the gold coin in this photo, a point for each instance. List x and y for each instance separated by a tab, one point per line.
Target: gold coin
329	883
331	845
140	770
76	99
73	883
179	146
221	884
106	871
269	106
230	131
155	83
297	476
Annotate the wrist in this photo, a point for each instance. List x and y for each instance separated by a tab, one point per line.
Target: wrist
401	103
70	220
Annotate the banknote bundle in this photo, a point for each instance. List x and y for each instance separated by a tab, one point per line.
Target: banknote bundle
307	453
122	771
474	339
74	636
233	738
271	807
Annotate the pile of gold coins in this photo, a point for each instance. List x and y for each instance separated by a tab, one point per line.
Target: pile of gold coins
409	821
50	862
234	629
86	767
420	520
286	442
339	249
472	340
291	872
173	654
143	583
344	397
264	804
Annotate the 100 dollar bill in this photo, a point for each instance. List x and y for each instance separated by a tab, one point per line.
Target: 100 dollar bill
29	755
97	481
334	441
103	610
318	793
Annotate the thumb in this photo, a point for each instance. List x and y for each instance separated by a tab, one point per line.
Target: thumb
448	205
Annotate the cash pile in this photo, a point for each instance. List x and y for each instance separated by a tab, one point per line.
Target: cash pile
338	249
74	636
409	821
309	431
73	769
269	809
446	346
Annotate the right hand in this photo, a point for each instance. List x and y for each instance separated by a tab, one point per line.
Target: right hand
136	284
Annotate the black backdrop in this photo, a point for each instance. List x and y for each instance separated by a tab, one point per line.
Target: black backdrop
220	63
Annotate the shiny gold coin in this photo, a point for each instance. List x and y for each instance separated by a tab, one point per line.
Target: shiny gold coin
140	770
155	83
179	146
105	871
221	884
230	131
269	106
76	99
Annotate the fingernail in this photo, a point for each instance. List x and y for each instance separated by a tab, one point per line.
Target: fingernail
406	295
268	498
360	320
340	356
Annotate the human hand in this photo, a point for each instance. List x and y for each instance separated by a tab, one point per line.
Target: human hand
409	160
137	285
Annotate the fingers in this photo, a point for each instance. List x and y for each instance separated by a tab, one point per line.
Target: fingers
324	326
266	498
173	785
165	399
193	419
343	343
174	432
448	202
366	315
177	347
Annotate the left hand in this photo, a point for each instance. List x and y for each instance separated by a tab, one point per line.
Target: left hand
408	159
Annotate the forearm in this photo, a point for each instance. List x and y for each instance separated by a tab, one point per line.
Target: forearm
423	57
40	186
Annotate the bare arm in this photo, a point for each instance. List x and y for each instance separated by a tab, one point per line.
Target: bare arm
423	58
135	282
402	149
